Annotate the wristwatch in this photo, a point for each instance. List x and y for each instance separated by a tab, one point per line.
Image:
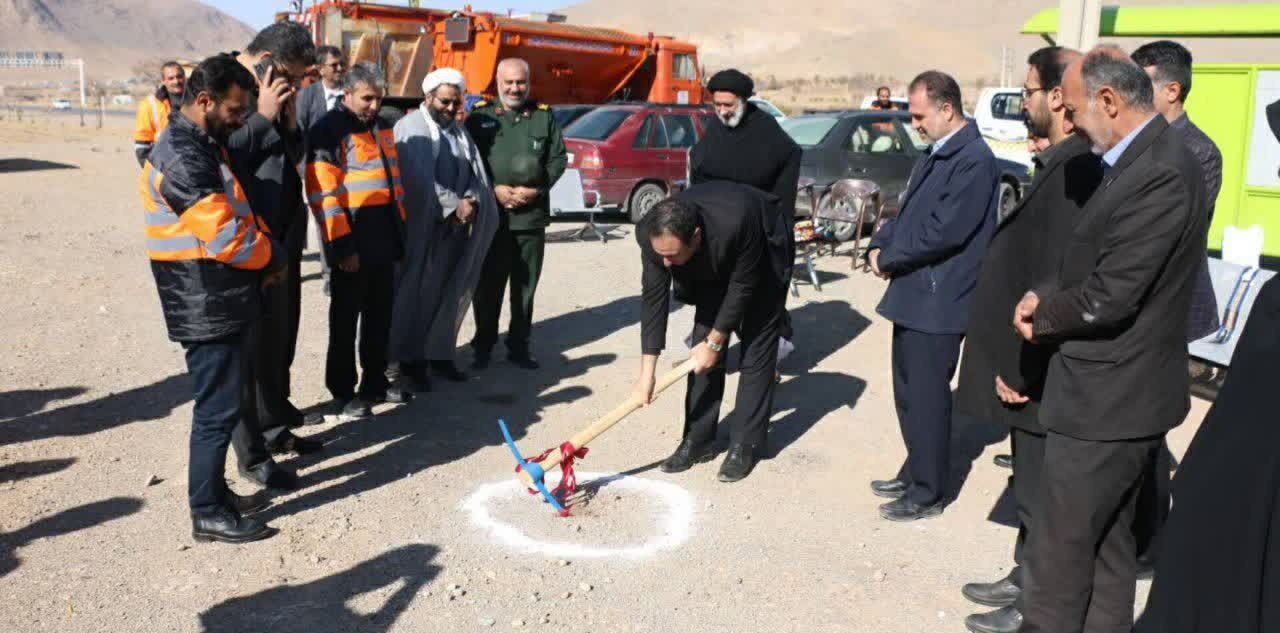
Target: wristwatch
715	347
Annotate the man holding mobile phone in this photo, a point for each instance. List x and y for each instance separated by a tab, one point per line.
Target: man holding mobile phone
265	155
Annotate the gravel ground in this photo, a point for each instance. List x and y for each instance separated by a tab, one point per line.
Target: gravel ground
95	411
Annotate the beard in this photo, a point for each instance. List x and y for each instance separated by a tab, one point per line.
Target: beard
734	119
1038	124
218	128
513	102
442	118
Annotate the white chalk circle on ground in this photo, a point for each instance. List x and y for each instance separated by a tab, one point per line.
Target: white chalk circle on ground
673	526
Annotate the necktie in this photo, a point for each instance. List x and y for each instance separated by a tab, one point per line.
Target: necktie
333	101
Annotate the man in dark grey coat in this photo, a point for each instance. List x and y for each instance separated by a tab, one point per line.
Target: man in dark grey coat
265	155
1001	375
315	101
1118	379
1169	66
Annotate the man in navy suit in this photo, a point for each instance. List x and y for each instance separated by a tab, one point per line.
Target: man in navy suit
931	254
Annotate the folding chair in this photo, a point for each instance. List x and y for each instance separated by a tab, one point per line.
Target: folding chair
569	198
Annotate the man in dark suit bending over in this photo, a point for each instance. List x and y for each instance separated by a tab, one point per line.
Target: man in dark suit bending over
717	241
1119	318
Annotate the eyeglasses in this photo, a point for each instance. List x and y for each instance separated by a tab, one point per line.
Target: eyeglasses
1027	92
448	103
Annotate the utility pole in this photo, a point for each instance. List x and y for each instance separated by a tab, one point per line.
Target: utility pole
1006	72
1078	23
83	102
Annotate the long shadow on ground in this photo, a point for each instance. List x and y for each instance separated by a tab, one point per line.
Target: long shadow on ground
151	402
65	522
322	605
14	165
433	431
821	329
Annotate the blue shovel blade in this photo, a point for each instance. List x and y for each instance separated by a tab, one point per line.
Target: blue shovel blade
534	469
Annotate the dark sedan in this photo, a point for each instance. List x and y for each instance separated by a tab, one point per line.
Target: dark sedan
568	113
878	146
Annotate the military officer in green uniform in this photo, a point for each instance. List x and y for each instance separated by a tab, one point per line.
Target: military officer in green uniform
524	153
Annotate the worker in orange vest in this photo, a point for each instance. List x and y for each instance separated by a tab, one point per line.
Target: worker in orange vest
210	254
353	186
153	112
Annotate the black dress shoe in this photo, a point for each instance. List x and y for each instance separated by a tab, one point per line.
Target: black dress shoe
248	504
356	409
228	527
447	370
1003	620
269	474
1001	593
523	360
481	361
905	509
737	464
1003	461
686	455
313	418
888	488
289	443
395	395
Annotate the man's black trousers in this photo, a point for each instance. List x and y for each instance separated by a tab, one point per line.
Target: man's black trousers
217	374
272	340
758	342
361	299
1028	463
923	365
1081	567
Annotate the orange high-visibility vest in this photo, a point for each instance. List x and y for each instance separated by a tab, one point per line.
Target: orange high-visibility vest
363	173
219	226
153	117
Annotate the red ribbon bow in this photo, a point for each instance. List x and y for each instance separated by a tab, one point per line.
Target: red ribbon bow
568	480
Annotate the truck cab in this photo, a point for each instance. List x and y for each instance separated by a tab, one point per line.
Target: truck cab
569	63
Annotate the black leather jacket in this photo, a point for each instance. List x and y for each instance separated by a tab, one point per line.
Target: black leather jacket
205	295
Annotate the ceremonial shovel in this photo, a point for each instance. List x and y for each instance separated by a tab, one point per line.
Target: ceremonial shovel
532	472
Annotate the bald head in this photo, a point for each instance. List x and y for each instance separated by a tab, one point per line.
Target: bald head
1110	68
513	82
1106	96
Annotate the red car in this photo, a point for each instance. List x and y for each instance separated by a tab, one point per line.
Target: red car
634	154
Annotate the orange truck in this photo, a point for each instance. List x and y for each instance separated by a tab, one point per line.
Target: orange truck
569	63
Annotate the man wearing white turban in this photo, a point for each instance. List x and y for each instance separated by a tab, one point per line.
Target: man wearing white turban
451	216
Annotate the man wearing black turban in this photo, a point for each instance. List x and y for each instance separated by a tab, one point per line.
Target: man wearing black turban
748	147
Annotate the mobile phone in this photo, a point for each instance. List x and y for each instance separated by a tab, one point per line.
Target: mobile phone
260	69
281	72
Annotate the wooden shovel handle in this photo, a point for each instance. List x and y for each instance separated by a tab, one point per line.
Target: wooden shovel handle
620	412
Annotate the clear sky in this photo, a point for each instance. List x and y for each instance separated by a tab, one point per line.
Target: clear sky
259	13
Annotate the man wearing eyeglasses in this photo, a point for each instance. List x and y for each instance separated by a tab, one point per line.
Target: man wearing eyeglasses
1001	375
314	102
451	215
264	156
320	97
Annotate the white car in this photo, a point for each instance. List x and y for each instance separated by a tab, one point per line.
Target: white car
768	108
60	104
999	114
1003	124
